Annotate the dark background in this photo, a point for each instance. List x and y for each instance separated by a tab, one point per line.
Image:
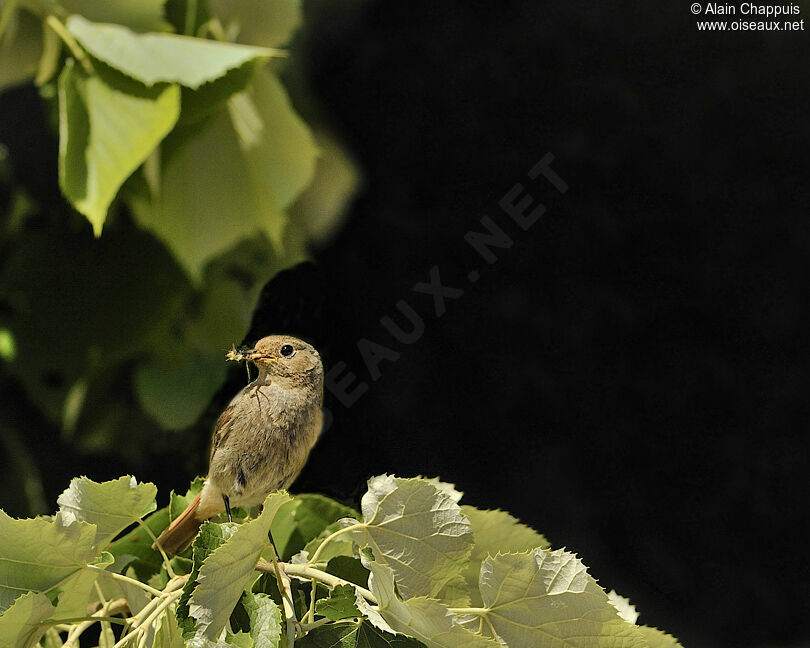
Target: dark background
631	378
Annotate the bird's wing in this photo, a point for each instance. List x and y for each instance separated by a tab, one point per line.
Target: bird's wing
222	430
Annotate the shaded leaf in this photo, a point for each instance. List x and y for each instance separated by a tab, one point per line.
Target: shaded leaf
339	605
265	620
355	635
267	24
105	134
20	48
175	391
154	58
416	528
112	506
140	15
307	520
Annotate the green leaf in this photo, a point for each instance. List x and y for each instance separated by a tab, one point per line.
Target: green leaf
268	24
228	570
423	618
361	634
658	638
111	588
138	542
19	624
140	15
20	47
265	620
349	569
167	632
626	609
339	605
210	537
105	134
320	207
38	555
175	391
8	347
548	598
111	311
155	58
230	178
112	506
495	532
417	529
307	520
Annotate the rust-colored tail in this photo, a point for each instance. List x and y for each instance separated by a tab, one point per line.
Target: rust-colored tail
179	534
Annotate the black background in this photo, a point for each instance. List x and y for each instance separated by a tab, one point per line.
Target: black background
631	377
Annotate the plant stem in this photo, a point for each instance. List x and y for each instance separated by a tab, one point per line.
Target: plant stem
146	528
75	49
285	588
329	539
470	610
5	15
306	627
140	627
305	571
191	17
116	606
131	581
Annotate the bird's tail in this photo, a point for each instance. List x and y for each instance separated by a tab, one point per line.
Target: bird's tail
179	534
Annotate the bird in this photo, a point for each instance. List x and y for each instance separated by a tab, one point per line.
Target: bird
262	439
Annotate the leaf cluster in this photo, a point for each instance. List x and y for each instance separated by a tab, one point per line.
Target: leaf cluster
412	568
197	179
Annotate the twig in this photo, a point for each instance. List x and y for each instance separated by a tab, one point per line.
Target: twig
307	572
115	607
166	562
329	539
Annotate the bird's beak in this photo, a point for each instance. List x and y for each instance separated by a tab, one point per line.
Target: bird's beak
254	355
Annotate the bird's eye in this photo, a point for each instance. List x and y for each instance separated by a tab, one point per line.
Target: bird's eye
287	350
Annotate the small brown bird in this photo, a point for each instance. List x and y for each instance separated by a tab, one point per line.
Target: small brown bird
262	439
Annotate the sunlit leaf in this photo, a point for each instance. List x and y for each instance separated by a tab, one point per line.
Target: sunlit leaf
547	598
423	618
658	638
112	506
417	529
39	554
19	624
231	178
228	570
494	532
155	58
105	133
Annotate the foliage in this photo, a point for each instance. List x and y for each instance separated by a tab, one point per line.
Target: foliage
197	180
63	575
